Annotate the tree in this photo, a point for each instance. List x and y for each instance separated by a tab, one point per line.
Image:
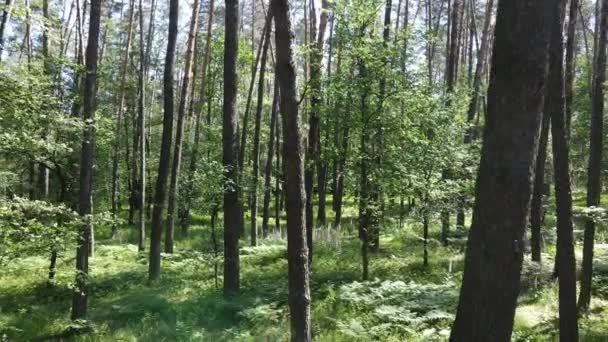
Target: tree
495	248
165	148
179	139
595	157
232	208
555	107
269	158
293	159
256	138
87	159
141	120
198	117
119	115
314	128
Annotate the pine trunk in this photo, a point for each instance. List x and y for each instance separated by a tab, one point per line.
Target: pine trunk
494	254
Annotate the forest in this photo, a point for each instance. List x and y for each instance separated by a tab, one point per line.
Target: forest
299	170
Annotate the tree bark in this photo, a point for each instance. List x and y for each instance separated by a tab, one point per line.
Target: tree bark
87	159
293	159
494	254
555	107
165	147
594	181
232	208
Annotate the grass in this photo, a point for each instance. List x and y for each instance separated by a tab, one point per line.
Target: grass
403	301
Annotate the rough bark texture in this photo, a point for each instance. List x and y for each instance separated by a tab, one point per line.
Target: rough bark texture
232	209
555	107
179	134
293	159
494	254
165	147
87	159
594	183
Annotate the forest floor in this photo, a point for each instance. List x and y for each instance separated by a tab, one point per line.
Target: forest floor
405	301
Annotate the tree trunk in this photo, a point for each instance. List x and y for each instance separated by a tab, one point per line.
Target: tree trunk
87	159
165	147
293	159
555	107
179	139
119	117
141	118
243	132
197	125
594	184
256	139
570	62
271	151
232	208
494	254
536	206
477	78
314	124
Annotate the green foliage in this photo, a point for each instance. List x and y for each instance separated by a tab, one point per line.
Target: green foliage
34	228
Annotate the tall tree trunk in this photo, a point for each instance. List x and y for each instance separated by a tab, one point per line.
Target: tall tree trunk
232	208
314	124
141	118
451	79
256	140
269	158
165	147
594	181
570	61
244	130
278	193
179	140
87	159
293	159
555	107
322	167
198	117
494	253
536	206
477	79
119	118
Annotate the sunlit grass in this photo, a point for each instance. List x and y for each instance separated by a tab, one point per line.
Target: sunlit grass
186	305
